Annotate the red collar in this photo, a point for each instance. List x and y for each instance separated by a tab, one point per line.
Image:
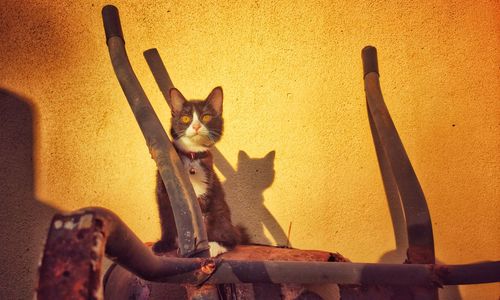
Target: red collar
196	155
192	155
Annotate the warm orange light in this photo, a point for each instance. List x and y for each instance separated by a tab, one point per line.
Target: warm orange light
292	78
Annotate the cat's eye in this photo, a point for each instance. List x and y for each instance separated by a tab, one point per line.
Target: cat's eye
185	119
206	118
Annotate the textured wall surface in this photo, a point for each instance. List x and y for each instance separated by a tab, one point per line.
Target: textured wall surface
292	77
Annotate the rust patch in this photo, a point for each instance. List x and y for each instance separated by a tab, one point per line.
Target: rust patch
253	252
419	255
208	266
438	272
140	290
204	292
72	260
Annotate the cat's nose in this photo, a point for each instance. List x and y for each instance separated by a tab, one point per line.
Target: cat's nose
196	127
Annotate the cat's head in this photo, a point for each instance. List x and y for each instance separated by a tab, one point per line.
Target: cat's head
197	124
261	170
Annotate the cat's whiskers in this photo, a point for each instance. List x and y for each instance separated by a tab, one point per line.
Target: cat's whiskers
179	134
215	134
213	137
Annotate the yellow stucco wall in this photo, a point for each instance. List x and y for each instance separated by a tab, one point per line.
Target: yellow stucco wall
292	77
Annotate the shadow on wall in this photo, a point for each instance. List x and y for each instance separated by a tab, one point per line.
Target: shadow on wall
244	188
23	219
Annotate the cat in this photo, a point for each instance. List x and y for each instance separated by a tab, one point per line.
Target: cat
196	126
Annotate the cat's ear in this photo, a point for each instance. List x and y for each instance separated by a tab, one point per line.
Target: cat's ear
242	155
270	155
215	100
177	100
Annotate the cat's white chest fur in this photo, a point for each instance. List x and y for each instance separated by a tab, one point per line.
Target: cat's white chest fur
198	178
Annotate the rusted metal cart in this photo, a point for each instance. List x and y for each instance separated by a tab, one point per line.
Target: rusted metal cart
72	263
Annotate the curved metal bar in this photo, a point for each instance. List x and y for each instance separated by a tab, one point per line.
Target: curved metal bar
400	180
108	235
123	247
159	71
192	234
482	272
416	212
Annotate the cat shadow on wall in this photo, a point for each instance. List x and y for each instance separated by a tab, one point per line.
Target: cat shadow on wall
24	220
244	188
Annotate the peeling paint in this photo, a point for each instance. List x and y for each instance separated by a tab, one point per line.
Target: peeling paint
85	221
69	225
97	248
58	224
64	271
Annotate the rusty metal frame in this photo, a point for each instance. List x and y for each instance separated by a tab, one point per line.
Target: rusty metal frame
77	242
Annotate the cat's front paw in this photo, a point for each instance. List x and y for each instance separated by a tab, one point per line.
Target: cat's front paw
216	249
